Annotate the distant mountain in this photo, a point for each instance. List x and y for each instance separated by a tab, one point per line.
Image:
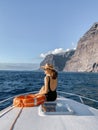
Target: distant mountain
85	57
19	66
58	60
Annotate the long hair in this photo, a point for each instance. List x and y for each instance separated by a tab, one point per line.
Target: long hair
54	74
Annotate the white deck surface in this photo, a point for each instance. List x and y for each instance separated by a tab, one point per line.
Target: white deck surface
84	118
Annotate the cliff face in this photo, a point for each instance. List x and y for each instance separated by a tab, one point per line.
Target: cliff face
58	60
85	57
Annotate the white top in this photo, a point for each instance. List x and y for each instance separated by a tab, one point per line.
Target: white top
83	118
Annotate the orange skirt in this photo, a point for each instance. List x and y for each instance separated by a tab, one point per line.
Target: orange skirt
30	100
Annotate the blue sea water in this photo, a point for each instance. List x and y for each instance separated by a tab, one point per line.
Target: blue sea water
18	82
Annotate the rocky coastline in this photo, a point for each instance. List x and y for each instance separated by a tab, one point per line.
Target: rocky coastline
83	59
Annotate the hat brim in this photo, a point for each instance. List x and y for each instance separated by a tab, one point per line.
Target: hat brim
44	67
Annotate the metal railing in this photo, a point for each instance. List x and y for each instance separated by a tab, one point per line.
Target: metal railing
79	98
82	99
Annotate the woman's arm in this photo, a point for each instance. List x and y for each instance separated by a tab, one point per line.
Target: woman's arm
44	88
41	90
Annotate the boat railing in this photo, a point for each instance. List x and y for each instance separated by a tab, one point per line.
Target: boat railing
82	99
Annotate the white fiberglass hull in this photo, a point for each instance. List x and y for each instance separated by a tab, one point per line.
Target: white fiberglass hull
82	118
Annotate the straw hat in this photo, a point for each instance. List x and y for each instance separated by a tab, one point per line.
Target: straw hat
48	66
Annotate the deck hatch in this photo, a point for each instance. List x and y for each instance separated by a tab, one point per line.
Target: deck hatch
56	108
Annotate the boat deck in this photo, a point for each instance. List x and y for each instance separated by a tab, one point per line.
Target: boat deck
81	117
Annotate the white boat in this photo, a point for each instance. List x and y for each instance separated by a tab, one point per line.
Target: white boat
62	114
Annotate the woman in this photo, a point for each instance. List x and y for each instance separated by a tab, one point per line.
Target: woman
47	92
50	83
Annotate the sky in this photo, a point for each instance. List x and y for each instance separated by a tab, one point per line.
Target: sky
31	29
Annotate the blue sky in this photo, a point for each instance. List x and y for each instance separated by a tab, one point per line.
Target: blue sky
29	28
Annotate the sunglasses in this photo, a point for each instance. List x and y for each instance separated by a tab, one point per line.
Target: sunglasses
45	69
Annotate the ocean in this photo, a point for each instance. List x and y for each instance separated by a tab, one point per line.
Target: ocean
17	82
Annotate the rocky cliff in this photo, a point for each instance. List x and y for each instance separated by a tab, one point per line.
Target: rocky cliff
85	57
58	60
